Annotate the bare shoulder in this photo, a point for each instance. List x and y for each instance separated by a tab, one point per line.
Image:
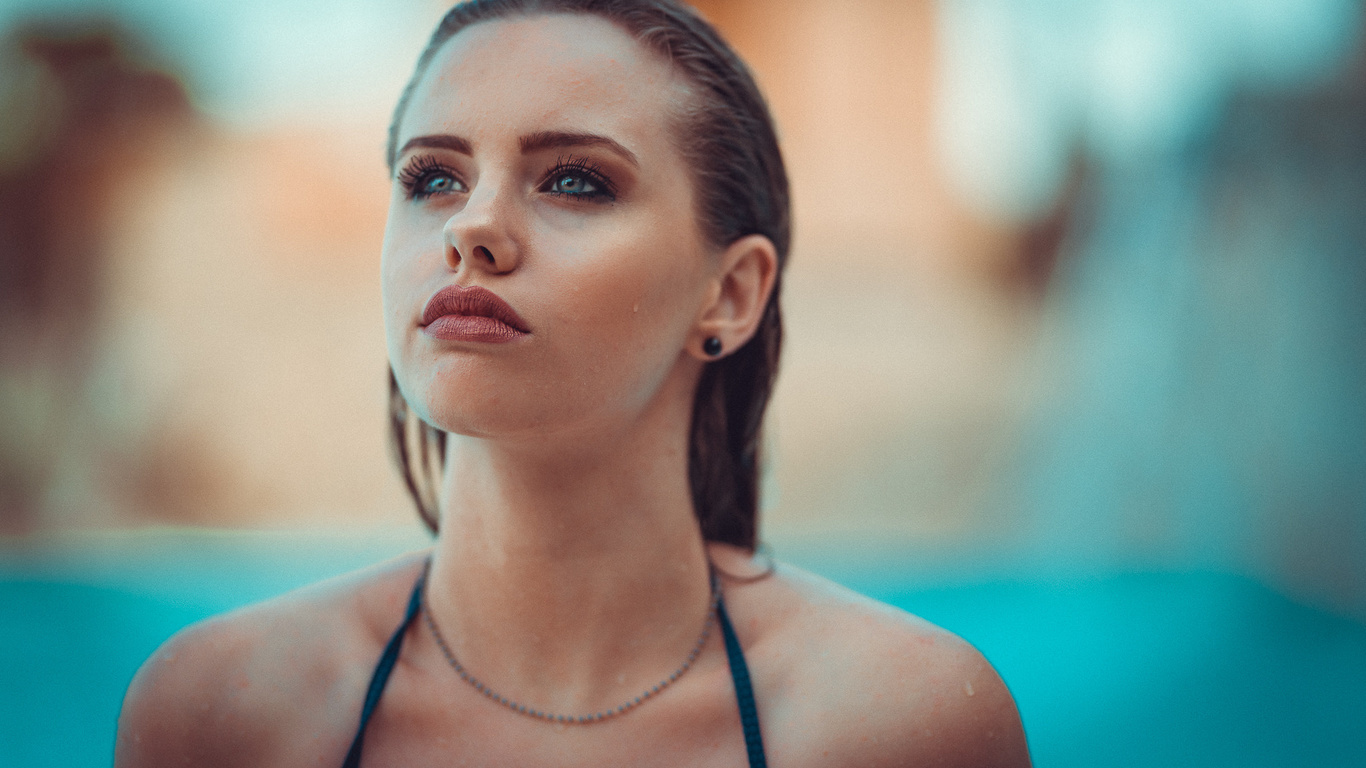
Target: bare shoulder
264	683
844	680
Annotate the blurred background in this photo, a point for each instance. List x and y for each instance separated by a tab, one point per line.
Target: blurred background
1076	361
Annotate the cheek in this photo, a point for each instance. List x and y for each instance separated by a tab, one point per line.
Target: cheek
393	284
628	298
406	258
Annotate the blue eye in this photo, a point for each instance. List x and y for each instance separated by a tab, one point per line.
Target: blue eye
573	177
435	184
425	177
573	184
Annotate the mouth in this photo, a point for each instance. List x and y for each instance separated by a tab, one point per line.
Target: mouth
471	314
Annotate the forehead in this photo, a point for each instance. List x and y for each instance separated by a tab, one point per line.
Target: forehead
547	72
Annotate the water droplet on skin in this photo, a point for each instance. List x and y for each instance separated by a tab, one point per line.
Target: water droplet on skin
967	688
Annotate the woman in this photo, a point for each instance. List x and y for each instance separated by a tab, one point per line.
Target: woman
580	272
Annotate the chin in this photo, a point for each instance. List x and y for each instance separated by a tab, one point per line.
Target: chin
471	401
462	403
536	397
473	417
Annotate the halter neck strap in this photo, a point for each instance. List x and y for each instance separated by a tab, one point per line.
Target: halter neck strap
739	672
744	690
382	670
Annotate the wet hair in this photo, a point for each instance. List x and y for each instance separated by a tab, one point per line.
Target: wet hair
727	138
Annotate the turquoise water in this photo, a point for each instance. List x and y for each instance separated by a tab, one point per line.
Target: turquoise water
1137	669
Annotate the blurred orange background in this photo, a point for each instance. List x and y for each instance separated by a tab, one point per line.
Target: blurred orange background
1072	289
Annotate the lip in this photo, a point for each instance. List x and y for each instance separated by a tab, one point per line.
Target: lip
471	314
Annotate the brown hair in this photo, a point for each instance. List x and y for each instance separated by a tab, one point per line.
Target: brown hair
727	137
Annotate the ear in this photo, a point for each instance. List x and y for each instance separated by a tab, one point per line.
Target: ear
747	270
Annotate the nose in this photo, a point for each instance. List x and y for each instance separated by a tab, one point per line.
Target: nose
479	235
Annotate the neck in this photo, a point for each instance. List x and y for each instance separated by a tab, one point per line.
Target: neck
570	573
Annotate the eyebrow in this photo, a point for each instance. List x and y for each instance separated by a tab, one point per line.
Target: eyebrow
552	139
530	143
439	141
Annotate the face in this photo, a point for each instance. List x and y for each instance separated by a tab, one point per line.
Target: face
536	165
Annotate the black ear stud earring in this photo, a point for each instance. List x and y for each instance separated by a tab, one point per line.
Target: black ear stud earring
712	346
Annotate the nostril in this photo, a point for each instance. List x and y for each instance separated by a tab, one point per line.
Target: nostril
483	252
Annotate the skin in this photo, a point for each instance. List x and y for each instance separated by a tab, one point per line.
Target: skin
570	573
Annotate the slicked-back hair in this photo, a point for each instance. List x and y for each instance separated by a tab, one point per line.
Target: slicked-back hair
727	139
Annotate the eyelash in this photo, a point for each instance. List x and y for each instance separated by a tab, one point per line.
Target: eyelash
581	167
422	168
418	171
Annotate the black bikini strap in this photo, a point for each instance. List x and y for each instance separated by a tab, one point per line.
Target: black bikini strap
382	670
744	691
739	672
